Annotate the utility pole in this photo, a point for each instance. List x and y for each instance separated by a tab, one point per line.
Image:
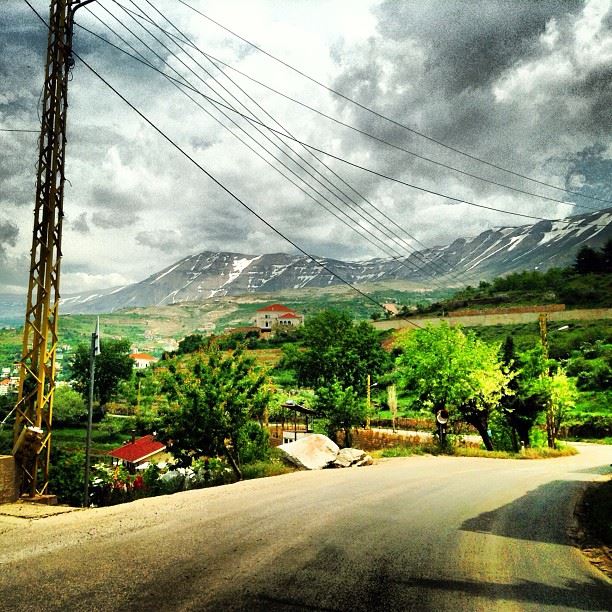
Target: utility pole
34	409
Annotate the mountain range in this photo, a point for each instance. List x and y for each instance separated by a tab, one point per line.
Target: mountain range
465	261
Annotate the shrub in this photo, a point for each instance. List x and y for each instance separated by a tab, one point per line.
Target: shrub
67	476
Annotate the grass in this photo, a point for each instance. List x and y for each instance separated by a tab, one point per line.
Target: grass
469	451
263	469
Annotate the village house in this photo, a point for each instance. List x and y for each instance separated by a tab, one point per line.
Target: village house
277	316
138	452
143	360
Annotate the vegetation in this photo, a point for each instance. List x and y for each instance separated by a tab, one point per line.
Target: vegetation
214	399
444	368
112	365
335	349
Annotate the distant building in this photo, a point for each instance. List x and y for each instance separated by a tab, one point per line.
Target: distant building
143	360
5	386
277	316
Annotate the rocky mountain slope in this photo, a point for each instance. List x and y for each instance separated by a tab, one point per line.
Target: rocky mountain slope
492	253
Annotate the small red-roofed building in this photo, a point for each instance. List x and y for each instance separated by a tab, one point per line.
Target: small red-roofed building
142	360
138	451
277	316
5	386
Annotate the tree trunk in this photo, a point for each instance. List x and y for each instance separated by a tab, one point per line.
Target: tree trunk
233	463
481	426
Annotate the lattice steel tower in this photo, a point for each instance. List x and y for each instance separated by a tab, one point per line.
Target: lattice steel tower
34	411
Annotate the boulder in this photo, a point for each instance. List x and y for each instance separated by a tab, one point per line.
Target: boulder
313	452
348	456
352	457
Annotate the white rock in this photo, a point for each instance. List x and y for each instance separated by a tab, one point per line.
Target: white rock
349	456
313	452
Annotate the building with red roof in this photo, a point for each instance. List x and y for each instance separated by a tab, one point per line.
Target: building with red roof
136	452
142	360
277	316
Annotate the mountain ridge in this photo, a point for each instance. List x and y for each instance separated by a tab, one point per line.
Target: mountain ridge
494	252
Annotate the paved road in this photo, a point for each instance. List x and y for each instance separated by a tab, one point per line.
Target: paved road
423	533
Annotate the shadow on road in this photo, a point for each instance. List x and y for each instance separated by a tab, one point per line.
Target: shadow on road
531	517
593	595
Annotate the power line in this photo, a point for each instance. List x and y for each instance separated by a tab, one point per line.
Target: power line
19	130
381	175
359	130
226	189
356	229
386	231
359	229
393	121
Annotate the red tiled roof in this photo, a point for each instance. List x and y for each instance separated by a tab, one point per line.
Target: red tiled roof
275	308
290	315
143	356
6	381
138	450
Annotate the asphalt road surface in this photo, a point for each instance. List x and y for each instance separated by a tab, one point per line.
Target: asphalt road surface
423	533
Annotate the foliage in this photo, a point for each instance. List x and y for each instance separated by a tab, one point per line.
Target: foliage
111	367
448	369
337	350
212	399
68	407
341	409
67	476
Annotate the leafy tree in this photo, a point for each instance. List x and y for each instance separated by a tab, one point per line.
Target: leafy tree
449	369
67	476
588	260
213	400
342	410
112	366
191	344
523	404
558	393
68	406
337	350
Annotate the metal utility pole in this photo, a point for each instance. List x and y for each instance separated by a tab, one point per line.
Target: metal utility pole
34	409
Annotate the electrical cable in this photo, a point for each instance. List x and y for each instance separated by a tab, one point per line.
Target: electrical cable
353	228
372	136
393	121
385	247
386	231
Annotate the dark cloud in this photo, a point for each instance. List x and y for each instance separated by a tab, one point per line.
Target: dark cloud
80	224
470	42
167	241
8	235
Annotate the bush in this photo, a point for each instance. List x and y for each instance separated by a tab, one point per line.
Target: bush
67	476
68	407
253	442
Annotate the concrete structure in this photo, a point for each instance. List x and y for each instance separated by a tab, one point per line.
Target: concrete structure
9	488
277	316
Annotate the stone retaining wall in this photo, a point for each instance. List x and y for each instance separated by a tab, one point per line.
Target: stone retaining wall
8	479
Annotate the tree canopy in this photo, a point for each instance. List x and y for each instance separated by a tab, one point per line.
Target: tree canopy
445	368
112	366
336	349
214	398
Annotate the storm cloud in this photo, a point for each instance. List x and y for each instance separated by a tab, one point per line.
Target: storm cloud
524	85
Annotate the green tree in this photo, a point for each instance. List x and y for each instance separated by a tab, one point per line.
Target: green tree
558	394
446	368
214	399
342	410
522	406
112	366
337	350
68	406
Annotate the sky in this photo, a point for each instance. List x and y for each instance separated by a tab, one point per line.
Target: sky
526	86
